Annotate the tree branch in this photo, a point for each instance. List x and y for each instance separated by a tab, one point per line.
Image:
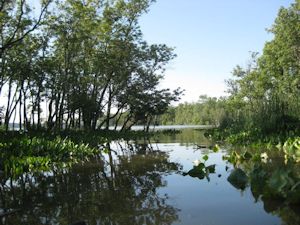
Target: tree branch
12	41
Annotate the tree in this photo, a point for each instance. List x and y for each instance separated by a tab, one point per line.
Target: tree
265	94
15	22
81	64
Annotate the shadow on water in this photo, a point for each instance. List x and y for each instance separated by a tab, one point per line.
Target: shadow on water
112	189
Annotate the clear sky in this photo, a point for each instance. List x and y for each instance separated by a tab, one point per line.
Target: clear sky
210	37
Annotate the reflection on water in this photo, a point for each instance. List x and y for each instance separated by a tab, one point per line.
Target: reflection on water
184	137
121	189
142	183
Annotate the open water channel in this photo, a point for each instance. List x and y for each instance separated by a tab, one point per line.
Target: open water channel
144	182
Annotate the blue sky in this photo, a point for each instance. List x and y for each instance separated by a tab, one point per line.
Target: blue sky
210	37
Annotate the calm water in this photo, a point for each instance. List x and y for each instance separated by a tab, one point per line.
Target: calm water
141	183
169	127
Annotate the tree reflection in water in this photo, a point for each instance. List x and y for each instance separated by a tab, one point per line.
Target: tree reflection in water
119	187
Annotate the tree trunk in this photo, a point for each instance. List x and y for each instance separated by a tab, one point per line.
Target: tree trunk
108	109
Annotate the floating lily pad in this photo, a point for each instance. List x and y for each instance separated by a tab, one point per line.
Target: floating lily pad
211	168
201	171
197	171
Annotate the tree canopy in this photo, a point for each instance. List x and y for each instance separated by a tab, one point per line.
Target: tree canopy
264	96
80	64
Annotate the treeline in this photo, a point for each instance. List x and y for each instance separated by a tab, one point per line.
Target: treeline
79	64
264	95
207	111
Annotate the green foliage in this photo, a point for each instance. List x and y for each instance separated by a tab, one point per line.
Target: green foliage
25	154
207	111
87	61
269	174
96	190
200	170
205	157
264	96
43	151
216	148
291	148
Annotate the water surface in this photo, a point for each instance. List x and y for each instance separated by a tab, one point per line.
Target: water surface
141	182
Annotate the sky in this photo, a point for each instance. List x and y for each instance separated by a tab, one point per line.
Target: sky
210	39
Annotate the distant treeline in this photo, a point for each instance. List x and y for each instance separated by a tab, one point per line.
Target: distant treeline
264	96
207	111
79	64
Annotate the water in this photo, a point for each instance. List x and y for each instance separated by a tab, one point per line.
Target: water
141	183
168	127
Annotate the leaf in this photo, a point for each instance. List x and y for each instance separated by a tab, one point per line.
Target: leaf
211	168
106	150
197	171
205	157
216	148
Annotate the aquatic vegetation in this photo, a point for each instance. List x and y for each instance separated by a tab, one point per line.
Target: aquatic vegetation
291	149
200	170
236	158
216	148
142	175
20	155
22	152
268	174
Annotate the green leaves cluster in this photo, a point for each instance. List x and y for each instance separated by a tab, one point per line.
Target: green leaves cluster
200	170
291	149
264	96
268	174
235	158
206	111
85	66
36	154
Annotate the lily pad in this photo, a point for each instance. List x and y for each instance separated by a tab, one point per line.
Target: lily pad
196	172
211	168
